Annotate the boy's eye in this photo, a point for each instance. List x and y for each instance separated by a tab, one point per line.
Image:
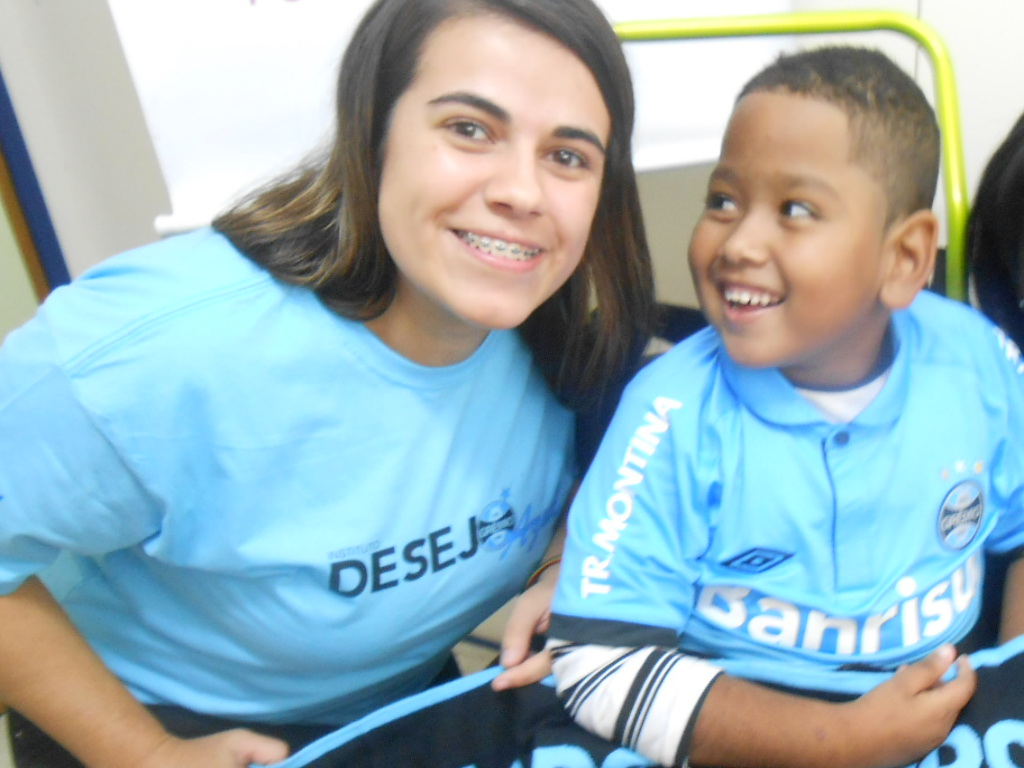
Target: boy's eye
718	202
793	209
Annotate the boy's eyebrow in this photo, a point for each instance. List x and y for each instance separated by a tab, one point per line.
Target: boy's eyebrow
722	173
727	174
502	115
823	186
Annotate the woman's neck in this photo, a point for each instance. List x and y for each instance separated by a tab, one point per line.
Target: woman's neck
429	341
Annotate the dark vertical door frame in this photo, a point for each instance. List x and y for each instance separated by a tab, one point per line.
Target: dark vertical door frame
23	198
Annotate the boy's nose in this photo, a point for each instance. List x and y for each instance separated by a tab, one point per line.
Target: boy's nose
747	242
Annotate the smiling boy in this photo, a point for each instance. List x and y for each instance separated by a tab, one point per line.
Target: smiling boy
812	484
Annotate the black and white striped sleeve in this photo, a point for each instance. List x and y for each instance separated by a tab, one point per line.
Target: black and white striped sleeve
645	698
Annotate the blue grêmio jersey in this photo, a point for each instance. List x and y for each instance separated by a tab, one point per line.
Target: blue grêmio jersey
725	517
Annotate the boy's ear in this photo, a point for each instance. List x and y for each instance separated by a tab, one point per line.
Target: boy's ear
912	243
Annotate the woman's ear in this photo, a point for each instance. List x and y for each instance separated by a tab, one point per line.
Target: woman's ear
912	243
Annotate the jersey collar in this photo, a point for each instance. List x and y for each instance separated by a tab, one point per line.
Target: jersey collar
771	396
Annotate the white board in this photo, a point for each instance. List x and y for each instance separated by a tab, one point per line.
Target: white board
236	91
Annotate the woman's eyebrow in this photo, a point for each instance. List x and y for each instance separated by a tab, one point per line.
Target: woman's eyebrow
472	100
568	132
502	115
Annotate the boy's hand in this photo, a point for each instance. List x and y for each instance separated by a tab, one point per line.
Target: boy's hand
911	714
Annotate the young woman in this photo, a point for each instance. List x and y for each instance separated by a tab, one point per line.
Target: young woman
299	455
995	236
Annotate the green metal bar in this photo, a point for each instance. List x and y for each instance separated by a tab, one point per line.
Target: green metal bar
947	108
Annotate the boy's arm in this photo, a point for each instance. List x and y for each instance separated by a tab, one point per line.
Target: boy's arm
1012	622
896	723
674	708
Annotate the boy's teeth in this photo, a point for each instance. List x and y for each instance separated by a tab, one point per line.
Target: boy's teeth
496	247
747	299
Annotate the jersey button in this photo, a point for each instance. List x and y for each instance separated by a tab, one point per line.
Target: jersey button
842	438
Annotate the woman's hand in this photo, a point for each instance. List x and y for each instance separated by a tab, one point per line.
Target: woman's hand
530	616
237	748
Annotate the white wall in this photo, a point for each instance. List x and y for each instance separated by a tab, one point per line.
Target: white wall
84	126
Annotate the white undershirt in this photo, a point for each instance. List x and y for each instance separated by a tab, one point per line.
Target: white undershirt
843	406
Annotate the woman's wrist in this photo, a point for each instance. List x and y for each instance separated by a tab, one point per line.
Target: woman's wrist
545	565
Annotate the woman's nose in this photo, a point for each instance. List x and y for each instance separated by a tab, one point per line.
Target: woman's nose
515	186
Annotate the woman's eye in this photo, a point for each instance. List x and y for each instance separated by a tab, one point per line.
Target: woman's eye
718	202
793	209
570	159
468	129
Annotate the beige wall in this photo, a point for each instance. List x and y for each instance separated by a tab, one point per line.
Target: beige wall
672	200
76	106
17	298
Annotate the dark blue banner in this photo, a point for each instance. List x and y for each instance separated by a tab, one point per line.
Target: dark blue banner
465	724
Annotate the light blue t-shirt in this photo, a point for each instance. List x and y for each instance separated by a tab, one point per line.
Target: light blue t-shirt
724	514
279	518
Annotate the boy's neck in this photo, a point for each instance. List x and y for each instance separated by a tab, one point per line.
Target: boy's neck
883	360
841	405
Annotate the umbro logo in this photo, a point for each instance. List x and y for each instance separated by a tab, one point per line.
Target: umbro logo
757	560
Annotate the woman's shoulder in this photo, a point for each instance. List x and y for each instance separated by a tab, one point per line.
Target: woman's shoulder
184	284
171	273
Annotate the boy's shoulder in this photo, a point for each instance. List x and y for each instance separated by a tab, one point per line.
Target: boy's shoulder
685	364
940	310
940	336
942	327
690	374
943	314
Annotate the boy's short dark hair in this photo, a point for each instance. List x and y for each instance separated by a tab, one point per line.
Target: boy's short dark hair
893	131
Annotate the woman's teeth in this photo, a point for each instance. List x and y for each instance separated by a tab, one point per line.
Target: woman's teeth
501	248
